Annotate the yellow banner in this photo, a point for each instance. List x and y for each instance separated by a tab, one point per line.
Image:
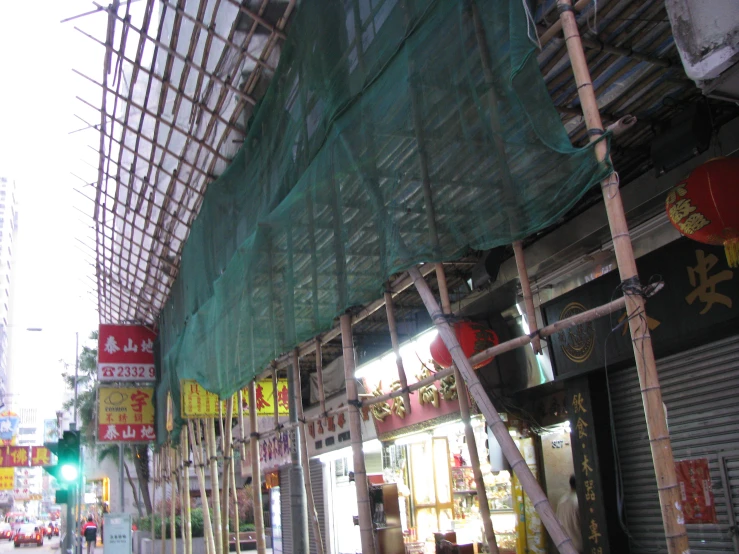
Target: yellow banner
7	478
126	414
198	402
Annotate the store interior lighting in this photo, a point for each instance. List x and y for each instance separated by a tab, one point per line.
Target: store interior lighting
385	368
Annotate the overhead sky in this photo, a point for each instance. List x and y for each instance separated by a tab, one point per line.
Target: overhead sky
53	281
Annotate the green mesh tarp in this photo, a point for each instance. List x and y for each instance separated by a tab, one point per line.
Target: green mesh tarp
325	200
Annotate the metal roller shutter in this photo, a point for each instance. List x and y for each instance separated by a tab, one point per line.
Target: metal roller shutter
287	528
699	389
316	482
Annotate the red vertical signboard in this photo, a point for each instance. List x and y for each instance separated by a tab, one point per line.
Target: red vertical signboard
125	353
694	479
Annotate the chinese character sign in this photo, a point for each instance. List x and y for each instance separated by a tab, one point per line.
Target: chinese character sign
694	479
40	456
198	402
125	353
125	414
7	478
14	456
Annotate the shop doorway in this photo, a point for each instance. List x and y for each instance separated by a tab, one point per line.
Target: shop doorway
556	453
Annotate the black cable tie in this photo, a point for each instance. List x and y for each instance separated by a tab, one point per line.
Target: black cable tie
280	426
632	286
596	132
324	414
356	403
585	85
188	463
406	390
254	435
562	8
214	458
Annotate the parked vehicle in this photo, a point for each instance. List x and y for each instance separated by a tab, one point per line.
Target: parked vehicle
53	529
6	531
29	533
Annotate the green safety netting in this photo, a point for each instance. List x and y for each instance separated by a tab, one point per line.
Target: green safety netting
325	200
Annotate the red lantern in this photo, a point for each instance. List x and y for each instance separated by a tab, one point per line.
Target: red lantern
705	207
472	337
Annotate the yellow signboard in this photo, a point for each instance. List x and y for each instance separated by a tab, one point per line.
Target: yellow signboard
198	402
7	478
125	414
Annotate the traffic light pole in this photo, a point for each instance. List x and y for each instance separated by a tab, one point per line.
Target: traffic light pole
69	536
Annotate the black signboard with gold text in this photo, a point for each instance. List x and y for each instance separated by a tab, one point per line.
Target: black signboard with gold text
700	300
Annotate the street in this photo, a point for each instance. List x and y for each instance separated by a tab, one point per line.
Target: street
50	545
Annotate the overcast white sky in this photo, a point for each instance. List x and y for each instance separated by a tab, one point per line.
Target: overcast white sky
53	277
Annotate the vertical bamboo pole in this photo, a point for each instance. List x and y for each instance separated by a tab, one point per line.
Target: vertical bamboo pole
236	506
528	482
154	469
187	522
390	310
469	434
355	430
163	465
172	499
256	478
317	535
242	430
227	462
659	436
319	377
275	397
528	298
210	446
199	461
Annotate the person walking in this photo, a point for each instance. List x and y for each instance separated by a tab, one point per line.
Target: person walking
90	532
568	514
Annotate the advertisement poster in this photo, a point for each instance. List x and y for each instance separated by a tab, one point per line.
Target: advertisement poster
9	423
7	478
125	414
694	479
198	402
125	353
51	430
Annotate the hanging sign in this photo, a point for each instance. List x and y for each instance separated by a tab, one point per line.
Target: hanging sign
125	414
7	477
198	402
9	423
40	456
14	456
694	479
125	353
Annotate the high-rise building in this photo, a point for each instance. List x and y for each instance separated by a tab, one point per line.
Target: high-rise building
8	225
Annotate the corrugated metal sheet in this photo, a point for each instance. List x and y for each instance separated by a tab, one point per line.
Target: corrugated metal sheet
699	390
287	528
316	482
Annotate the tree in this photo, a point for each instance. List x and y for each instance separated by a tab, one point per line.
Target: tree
87	385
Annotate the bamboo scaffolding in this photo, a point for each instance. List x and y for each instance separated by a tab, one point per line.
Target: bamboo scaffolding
163	464
319	376
187	519
215	490
227	463
256	480
172	499
242	430
392	326
659	436
236	502
528	482
275	398
193	427
360	473
155	481
304	460
528	298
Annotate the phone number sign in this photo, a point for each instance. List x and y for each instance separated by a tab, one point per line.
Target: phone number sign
125	353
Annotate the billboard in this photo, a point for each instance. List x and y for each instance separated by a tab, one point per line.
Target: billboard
125	353
125	414
198	402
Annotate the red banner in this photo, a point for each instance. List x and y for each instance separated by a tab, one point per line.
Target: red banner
125	353
40	456
14	456
694	479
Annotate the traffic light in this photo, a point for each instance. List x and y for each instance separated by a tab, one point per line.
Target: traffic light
69	456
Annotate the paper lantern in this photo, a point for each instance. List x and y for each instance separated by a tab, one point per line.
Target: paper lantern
705	207
472	337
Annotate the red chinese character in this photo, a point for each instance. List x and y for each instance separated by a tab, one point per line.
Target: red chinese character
331	424
320	427
283	398
261	401
139	400
341	420
312	429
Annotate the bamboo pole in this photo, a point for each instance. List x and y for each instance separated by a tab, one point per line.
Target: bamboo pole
199	461
236	504
392	326
275	397
469	434
154	468
163	463
242	431
210	446
499	429
187	522
256	478
304	460
355	430
659	436
172	499
319	377
528	298
227	462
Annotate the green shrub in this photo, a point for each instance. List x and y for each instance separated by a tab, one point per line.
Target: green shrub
196	522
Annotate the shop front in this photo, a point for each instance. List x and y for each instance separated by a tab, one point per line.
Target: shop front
427	489
693	323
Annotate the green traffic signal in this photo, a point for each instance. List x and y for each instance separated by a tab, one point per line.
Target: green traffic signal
69	472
